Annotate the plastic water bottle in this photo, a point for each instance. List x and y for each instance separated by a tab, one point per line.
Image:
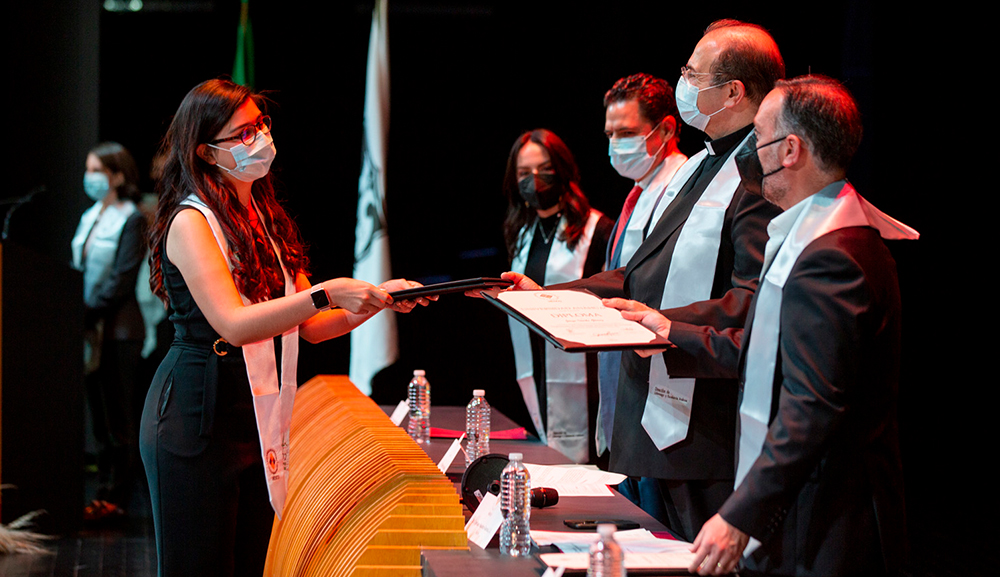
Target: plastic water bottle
477	427
606	558
515	504
419	426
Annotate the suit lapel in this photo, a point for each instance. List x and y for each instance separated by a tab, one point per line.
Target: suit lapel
745	341
611	258
669	223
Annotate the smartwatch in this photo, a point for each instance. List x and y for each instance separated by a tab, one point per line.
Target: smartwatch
321	300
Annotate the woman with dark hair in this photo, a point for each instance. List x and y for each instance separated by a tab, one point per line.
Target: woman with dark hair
553	236
109	247
230	262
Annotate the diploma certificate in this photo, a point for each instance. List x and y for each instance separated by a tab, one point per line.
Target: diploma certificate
574	320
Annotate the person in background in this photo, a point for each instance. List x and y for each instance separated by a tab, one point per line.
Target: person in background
108	247
551	233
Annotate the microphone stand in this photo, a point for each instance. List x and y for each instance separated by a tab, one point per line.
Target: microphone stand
16	203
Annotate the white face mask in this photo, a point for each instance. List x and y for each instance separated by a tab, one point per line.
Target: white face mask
252	162
687	104
629	156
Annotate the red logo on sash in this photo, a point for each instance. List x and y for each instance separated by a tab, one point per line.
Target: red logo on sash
272	461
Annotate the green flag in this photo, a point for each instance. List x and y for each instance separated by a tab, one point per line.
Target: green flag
243	64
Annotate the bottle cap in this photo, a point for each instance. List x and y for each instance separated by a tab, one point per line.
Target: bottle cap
479	393
515	456
606	529
418	373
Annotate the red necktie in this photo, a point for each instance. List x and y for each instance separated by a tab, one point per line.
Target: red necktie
630	200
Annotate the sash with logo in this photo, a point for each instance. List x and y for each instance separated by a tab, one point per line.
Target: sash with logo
667	412
565	373
836	206
609	362
272	406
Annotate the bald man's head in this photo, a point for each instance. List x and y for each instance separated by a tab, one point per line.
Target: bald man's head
748	54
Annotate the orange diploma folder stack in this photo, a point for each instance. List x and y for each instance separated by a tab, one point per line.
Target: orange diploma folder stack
363	498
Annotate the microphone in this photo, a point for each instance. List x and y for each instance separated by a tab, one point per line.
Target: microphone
541	497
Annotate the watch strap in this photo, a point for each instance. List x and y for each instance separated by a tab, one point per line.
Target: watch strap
320	299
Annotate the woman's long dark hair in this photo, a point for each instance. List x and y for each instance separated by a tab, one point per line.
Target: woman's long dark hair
576	207
204	112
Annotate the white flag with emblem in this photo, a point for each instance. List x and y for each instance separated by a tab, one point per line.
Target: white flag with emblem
374	344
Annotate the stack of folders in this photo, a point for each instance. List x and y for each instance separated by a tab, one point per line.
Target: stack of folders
363	498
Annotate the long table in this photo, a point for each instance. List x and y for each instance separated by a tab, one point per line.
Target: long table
488	562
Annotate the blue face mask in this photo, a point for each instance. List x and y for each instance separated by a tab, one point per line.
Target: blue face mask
629	156
96	185
252	162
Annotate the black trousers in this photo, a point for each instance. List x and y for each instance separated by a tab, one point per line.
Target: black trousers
110	395
206	476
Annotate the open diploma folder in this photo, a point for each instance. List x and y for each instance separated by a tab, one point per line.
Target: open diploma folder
574	320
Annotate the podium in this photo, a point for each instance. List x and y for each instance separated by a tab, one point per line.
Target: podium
363	498
41	388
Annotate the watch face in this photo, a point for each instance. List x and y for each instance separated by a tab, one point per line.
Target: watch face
320	298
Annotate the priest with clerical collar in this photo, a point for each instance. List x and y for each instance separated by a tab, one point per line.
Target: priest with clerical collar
818	486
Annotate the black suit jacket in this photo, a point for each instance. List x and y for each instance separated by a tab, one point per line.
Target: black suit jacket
825	496
114	298
707	452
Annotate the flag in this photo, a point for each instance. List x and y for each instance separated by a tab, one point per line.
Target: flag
243	63
374	344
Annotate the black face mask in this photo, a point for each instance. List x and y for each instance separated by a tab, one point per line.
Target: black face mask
540	191
749	167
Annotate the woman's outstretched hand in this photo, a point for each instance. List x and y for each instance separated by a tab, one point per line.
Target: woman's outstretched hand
398	284
356	296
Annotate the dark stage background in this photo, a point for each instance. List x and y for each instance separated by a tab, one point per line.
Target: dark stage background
466	79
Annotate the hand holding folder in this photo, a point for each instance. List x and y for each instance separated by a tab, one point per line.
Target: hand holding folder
574	320
435	290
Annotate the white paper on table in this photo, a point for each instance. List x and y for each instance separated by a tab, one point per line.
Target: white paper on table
485	522
449	455
399	412
554	572
664	560
574	480
630	540
577	316
576	541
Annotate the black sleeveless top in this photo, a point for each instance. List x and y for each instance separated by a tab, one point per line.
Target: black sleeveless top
221	379
190	324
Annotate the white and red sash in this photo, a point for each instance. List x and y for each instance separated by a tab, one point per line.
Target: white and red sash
272	406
